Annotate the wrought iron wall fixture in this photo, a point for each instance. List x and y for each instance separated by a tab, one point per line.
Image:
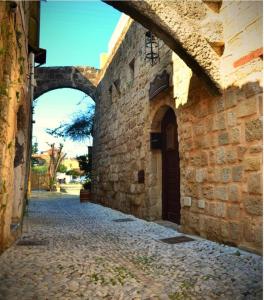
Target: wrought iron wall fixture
151	48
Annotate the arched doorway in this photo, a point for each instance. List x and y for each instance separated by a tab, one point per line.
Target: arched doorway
171	205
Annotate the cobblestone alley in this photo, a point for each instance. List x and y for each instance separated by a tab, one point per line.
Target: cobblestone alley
84	254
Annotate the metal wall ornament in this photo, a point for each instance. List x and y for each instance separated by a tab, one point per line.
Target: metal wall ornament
151	48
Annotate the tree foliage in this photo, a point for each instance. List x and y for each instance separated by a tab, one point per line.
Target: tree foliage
40	169
78	129
56	156
62	168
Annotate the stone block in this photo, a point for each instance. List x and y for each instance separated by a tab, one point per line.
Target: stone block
220	104
221	193
233	212
201	203
235	135
194	221
253	204
235	231
247	229
219	122
252	164
190	174
217	209
253	130
187	201
231	156
212	157
255	149
231	119
233	193
247	107
208	192
220	156
223	138
255	183
237	173
204	158
225	175
200	175
198	130
213	228
230	99
241	150
224	229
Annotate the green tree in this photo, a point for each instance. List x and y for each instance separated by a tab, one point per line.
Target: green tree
40	169
56	156
62	168
78	129
34	161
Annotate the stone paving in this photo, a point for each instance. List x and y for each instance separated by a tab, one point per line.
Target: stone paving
88	256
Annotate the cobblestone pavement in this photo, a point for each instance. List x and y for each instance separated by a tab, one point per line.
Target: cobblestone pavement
88	256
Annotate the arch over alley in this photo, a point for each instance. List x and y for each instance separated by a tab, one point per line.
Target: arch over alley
183	26
84	79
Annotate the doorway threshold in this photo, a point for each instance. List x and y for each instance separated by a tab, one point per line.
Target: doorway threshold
169	224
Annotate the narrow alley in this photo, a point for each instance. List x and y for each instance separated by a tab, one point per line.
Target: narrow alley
87	251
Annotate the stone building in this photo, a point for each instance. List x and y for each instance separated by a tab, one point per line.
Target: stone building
19	34
168	146
180	140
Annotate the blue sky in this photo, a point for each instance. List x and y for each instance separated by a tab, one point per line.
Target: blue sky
74	33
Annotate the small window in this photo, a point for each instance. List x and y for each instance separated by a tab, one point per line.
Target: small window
132	69
117	86
110	93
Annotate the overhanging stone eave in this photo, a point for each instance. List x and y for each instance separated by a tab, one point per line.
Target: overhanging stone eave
210	75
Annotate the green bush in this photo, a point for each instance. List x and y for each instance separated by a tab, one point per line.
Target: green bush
40	169
62	169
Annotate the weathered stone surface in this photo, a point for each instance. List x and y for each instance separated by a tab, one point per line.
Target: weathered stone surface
255	183
255	149
253	204
225	174
247	107
231	156
221	193
233	193
231	119
233	212
200	175
208	192
235	230
169	16
253	130
219	122
237	173
223	138
220	155
230	99
82	78
235	135
252	164
241	150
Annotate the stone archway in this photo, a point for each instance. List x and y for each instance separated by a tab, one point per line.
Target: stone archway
189	28
84	79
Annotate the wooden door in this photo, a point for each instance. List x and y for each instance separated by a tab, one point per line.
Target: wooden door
171	204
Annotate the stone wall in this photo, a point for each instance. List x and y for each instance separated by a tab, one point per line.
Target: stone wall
221	163
14	116
121	136
220	137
